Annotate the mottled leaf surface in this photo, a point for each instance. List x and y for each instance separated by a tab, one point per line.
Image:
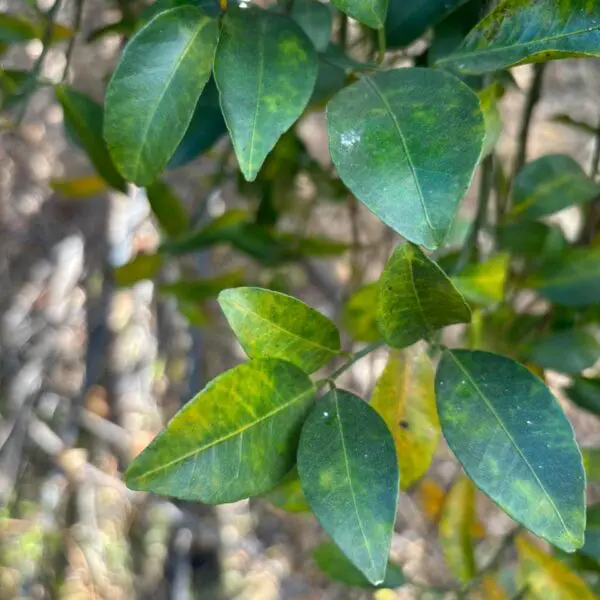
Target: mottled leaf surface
167	208
265	69
288	494
236	438
591	547
349	473
549	184
316	19
514	441
406	143
524	31
456	530
405	398
484	283
416	298
369	12
585	392
273	324
154	90
359	314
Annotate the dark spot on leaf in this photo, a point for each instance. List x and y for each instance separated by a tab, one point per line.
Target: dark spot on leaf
404	424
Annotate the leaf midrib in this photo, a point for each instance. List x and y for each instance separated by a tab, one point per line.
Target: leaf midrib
259	90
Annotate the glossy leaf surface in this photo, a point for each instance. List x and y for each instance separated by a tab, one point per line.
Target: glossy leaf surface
349	473
514	441
406	143
416	299
524	31
550	184
484	283
265	69
167	208
405	398
272	324
316	20
585	392
359	316
236	438
369	12
153	93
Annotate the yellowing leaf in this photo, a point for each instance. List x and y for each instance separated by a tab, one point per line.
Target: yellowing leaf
143	266
359	314
404	396
489	589
484	283
79	187
432	496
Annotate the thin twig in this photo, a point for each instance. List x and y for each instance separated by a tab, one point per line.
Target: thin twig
381	42
71	46
354	358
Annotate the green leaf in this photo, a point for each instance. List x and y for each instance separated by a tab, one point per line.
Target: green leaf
513	440
584	392
198	290
153	93
404	397
591	462
416	299
591	547
265	69
532	239
15	30
488	100
506	37
79	187
84	119
573	279
359	314
316	20
456	530
484	283
143	266
331	560
550	184
370	12
567	351
272	324
288	494
236	438
406	143
167	208
210	7
349	473
548	578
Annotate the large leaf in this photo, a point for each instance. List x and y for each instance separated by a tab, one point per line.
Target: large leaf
548	578
416	299
585	392
511	436
550	184
272	324
84	120
591	547
153	93
167	208
333	563
573	279
484	283
369	12
456	530
406	142
316	19
404	396
524	31
265	69
349	473
236	438
359	314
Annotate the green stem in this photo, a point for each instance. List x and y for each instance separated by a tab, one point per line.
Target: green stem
381	41
354	358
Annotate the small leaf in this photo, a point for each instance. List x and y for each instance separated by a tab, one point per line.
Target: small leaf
488	100
316	20
591	461
272	324
288	494
198	290
15	30
143	266
456	530
236	438
359	314
496	415
591	547
550	184
573	279
167	208
404	397
567	351
349	473
331	560
484	283
505	38
416	299
369	12
79	187
431	499
84	119
153	93
406	143
546	577
265	69
584	391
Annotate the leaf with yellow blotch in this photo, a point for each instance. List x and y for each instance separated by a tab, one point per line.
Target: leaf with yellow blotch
484	283
404	396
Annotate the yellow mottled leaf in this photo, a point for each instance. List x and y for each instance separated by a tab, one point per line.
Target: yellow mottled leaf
404	397
431	496
484	283
79	187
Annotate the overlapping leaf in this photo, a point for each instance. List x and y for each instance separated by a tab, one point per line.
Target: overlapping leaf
585	392
484	283
167	208
369	12
591	546
288	494
316	19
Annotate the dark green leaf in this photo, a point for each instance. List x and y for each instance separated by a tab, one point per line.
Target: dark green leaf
272	324
591	547
584	391
15	30
484	283
167	208
265	69
506	37
359	314
288	494
532	239
84	119
370	12
406	142
349	473
316	20
488	100
550	184
198	290
143	266
152	95
416	299
210	7
573	279
331	560
511	436
236	438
